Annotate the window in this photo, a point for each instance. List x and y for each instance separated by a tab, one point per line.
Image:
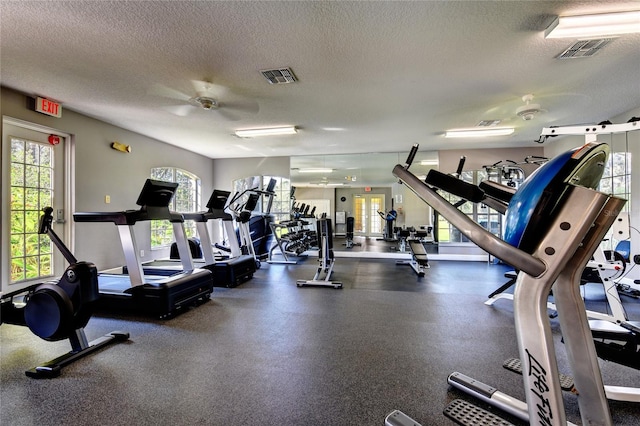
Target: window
188	198
31	191
281	204
488	218
616	180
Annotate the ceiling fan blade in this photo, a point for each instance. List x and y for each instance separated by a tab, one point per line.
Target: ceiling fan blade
180	110
228	115
247	106
211	90
166	92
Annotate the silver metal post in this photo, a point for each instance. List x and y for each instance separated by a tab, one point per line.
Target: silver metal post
533	329
576	332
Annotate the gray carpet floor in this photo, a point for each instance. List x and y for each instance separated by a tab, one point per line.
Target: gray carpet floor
270	353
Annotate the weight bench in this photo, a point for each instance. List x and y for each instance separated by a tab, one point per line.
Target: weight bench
419	259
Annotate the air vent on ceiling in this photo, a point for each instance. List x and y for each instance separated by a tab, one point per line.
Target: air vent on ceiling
584	48
279	76
488	123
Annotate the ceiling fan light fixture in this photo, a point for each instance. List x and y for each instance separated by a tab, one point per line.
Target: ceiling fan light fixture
479	132
596	25
268	131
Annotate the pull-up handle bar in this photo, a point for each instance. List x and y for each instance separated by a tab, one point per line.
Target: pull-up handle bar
460	166
412	154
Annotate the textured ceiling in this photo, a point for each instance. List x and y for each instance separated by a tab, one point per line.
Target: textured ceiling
373	76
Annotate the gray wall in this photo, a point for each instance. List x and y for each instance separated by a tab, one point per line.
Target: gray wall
225	171
100	171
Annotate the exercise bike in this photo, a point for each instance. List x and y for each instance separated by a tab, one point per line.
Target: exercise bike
59	310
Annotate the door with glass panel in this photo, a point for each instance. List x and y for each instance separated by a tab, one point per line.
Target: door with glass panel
367	221
33	177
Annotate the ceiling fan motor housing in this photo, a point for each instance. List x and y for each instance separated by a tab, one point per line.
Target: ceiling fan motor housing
205	102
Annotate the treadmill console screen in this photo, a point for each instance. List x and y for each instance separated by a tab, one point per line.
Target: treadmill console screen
156	193
218	200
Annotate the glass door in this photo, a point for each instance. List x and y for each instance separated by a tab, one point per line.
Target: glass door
33	177
368	222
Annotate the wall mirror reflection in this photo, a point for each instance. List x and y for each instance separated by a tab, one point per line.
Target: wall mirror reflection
385	213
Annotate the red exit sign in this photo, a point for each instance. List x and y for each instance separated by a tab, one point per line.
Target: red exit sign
45	106
367	189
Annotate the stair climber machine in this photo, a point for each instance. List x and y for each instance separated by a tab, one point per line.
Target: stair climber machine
554	223
153	294
59	310
227	272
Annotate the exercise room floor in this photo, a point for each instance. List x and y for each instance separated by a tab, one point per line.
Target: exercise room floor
270	353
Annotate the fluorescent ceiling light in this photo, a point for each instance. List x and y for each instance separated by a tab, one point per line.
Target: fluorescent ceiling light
270	131
315	170
429	162
479	132
585	26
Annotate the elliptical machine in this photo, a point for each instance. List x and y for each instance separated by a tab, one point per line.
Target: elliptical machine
57	311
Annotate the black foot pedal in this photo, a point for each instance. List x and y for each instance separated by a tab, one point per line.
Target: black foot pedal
514	364
467	414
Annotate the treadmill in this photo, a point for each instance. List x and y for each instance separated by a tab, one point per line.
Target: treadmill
226	272
159	295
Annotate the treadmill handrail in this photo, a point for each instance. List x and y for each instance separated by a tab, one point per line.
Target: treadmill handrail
517	258
129	217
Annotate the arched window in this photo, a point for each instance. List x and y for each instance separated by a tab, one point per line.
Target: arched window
188	198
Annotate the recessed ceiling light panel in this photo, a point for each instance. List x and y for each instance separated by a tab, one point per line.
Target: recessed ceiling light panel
268	131
479	132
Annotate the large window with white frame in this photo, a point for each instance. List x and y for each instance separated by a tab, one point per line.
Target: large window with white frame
281	203
489	218
616	180
31	190
188	198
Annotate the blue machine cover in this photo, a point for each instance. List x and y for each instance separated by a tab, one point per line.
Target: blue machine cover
529	209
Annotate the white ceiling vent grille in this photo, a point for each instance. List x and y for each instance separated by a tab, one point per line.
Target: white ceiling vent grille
584	48
279	76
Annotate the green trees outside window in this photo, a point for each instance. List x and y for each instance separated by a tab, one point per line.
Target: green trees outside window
188	198
31	191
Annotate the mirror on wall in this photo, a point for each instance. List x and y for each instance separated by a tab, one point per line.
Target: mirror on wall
361	185
354	170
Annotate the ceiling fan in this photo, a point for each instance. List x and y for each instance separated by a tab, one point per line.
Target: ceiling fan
528	107
529	110
208	97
